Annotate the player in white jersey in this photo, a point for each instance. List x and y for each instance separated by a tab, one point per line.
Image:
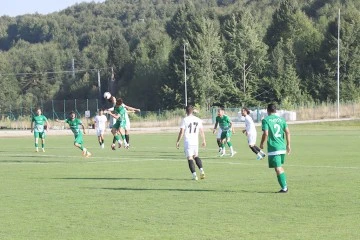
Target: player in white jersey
100	126
190	128
128	109
250	132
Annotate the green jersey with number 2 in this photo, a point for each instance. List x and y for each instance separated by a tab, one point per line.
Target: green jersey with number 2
275	126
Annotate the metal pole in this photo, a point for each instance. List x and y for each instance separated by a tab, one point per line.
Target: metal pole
185	75
64	109
99	84
52	104
73	67
338	69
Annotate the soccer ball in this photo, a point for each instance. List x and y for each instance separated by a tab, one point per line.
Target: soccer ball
107	95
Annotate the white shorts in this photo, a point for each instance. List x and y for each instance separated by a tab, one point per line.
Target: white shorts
191	150
100	132
218	135
251	138
127	126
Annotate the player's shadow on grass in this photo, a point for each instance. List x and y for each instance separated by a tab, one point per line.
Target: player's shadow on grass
30	161
167	189
125	178
263	192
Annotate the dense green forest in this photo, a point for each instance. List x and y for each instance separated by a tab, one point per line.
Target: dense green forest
238	52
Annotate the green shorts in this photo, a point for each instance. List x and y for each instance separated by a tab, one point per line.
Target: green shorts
39	135
276	160
79	139
226	135
119	124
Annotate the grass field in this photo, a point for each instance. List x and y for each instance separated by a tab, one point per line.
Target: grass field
146	192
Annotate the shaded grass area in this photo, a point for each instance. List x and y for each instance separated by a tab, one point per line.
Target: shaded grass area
146	192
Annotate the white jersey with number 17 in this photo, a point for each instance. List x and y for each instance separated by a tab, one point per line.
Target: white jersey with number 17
191	126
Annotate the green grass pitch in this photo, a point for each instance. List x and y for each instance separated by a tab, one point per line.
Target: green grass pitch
146	192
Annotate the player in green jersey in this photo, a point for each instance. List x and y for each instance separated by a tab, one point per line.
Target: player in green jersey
74	124
128	109
120	125
38	127
227	129
275	131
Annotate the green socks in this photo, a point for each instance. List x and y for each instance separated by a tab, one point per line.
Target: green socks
282	180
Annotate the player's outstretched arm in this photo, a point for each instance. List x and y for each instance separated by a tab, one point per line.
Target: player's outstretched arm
113	115
60	121
109	110
131	108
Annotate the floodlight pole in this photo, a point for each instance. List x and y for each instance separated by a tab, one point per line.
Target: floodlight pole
185	74
338	69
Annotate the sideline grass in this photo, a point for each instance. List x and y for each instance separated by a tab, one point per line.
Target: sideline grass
146	192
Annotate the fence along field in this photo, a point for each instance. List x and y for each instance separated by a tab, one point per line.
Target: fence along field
20	118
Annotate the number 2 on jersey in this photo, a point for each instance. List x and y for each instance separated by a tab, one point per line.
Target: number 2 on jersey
190	126
277	130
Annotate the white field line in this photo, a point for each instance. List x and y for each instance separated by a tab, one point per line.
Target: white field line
132	160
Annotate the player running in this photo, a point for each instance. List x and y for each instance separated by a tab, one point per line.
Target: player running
74	124
100	126
191	126
250	132
39	129
227	129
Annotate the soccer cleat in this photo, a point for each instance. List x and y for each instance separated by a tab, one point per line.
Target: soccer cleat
43	149
202	175
84	152
259	157
36	150
119	145
113	146
283	191
102	146
233	153
88	154
195	178
127	146
222	154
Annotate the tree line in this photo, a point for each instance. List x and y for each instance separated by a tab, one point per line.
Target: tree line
237	52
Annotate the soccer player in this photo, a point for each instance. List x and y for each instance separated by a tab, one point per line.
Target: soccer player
74	124
100	126
227	129
119	126
250	132
275	130
218	137
39	129
128	109
190	127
